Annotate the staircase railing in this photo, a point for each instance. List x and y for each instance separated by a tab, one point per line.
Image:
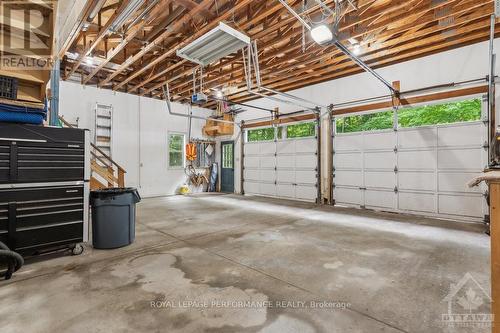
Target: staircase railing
110	173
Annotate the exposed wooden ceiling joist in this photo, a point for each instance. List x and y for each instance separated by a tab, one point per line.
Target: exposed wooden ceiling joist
387	31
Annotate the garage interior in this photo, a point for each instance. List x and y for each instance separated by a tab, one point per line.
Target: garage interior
249	166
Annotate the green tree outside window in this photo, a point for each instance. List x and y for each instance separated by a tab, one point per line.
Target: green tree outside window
261	134
176	150
302	130
445	113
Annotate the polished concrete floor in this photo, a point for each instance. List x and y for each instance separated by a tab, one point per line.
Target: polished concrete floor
226	263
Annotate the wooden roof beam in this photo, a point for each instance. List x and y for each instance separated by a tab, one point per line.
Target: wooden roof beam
295	47
131	34
102	33
325	75
206	28
174	27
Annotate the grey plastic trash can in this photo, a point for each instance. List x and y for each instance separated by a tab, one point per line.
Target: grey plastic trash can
113	217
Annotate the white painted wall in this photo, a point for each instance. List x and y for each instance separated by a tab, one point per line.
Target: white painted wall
466	63
140	127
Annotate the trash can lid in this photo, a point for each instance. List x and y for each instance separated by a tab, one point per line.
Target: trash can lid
114	190
105	192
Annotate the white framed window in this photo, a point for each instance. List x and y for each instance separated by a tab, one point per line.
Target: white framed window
176	153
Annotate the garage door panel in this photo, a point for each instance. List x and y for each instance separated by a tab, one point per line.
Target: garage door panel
267	175
380	160
417	160
252	187
268	189
349	178
348	142
305	177
461	205
251	174
462	158
267	148
379	140
285	161
267	162
285	190
417	202
380	179
306	145
285	176
252	162
417	138
418	181
457	182
252	149
350	196
461	135
306	162
303	192
348	160
381	199
285	147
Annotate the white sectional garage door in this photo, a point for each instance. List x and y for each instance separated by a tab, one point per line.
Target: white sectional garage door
260	168
296	169
285	169
421	170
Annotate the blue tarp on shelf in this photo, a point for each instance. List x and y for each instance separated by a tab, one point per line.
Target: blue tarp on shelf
22	114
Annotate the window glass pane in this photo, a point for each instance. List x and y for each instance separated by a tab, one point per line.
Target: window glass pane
365	122
301	130
446	113
227	156
261	134
176	150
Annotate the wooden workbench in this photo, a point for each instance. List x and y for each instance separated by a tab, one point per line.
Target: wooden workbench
492	178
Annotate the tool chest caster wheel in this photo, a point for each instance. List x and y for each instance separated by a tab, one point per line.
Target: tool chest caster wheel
77	250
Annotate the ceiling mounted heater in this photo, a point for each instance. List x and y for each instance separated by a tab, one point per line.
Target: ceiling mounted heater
214	45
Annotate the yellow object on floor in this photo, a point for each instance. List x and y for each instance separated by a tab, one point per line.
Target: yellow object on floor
184	189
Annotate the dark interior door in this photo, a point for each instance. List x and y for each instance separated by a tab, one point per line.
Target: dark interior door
227	166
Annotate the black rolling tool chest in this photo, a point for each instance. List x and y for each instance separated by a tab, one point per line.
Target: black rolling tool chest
44	173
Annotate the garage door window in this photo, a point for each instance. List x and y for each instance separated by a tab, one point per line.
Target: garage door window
303	130
445	113
435	114
365	122
176	150
261	134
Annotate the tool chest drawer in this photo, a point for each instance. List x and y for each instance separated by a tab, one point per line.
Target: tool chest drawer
31	154
45	216
27	162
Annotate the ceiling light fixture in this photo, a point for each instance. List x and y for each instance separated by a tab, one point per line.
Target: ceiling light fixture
214	45
219	94
356	49
322	34
89	61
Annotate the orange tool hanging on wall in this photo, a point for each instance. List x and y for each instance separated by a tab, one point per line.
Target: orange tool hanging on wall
191	151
